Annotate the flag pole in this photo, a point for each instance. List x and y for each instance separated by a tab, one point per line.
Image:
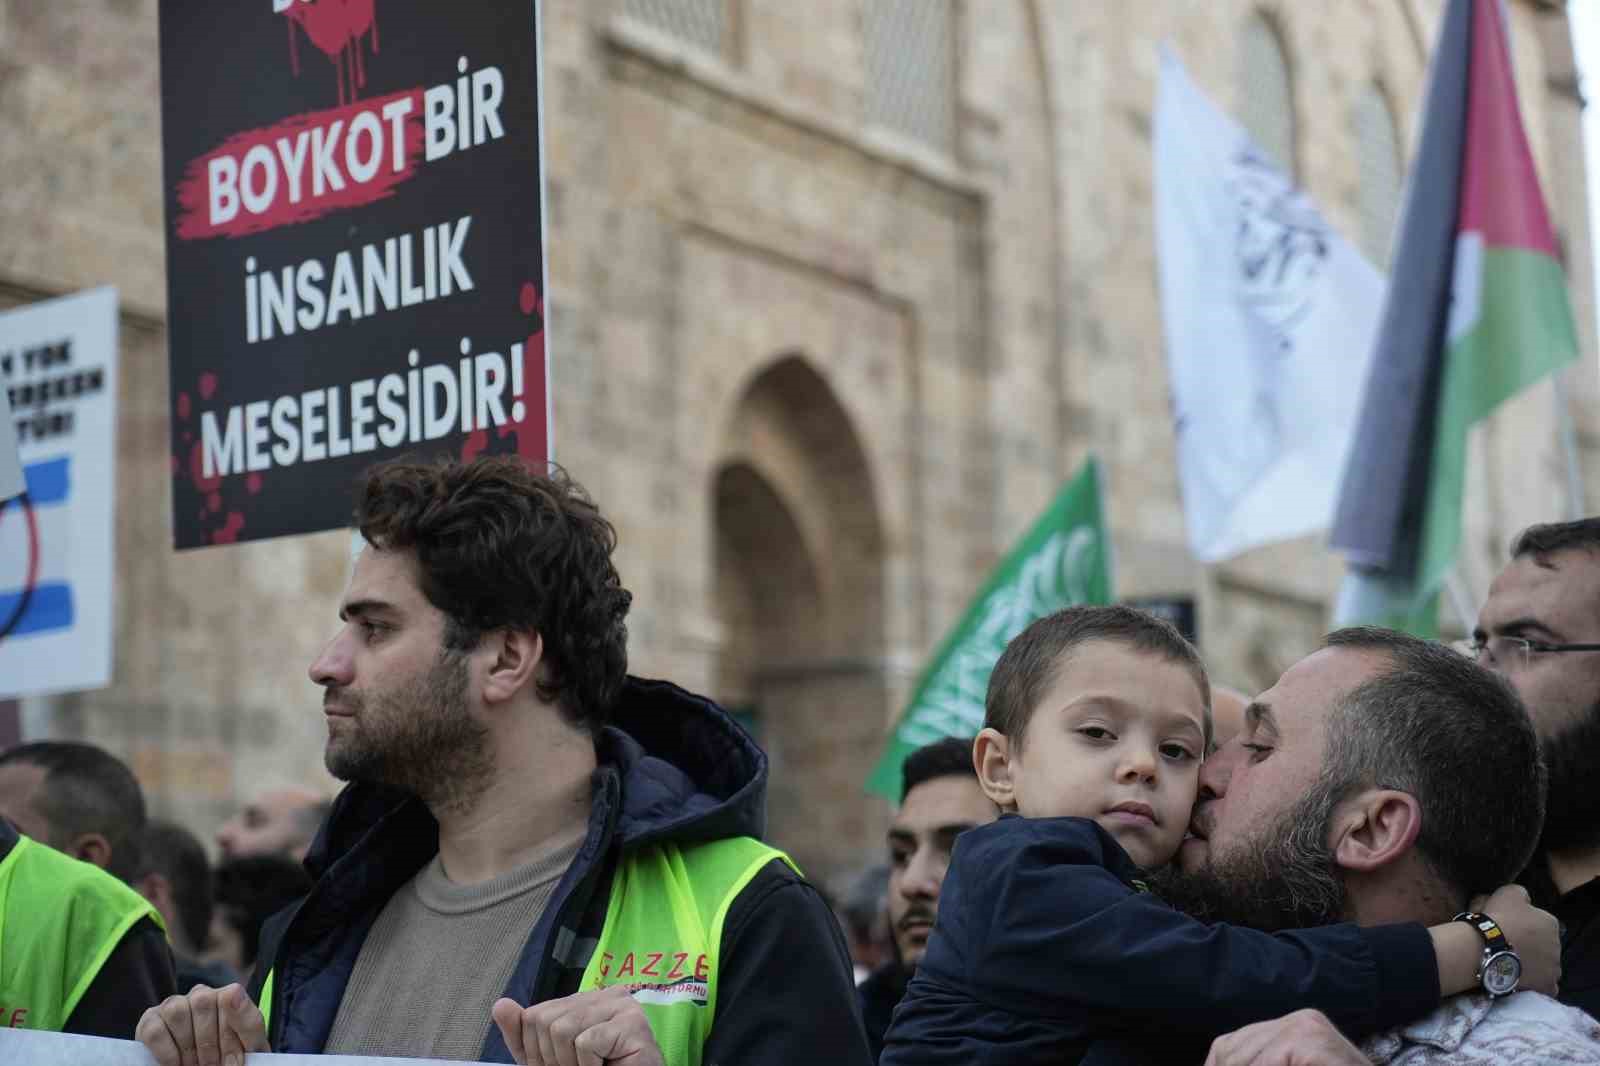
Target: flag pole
1576	507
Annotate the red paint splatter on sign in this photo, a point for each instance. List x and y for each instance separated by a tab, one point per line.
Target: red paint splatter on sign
253	484
183	405
214	502
229	533
476	442
208	385
336	28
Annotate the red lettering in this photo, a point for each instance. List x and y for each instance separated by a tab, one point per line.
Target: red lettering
627	966
649	968
605	964
678	959
18	1016
702	969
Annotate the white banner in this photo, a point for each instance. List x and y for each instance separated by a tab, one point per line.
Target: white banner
1270	319
25	1047
58	364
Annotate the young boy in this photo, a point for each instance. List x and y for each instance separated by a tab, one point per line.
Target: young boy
1048	947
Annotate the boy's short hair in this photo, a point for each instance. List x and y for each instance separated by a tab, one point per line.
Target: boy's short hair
1030	662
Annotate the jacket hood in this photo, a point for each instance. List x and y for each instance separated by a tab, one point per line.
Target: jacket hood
686	770
689	772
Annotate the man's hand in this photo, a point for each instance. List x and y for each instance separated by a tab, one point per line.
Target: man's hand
1304	1038
1534	934
588	1029
207	1027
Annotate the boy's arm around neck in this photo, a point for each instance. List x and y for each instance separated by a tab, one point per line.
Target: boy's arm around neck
1033	919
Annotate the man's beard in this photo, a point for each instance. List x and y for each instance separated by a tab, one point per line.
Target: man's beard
1572	756
1285	878
418	737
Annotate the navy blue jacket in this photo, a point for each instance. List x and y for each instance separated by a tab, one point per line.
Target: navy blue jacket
672	767
1045	950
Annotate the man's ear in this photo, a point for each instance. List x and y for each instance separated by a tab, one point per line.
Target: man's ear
1374	828
991	757
92	848
517	657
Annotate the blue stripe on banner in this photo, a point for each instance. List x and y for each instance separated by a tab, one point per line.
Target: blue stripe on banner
48	482
50	608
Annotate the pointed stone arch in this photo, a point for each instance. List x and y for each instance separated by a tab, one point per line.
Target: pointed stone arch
798	580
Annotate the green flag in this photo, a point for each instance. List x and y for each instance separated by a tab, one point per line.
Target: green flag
1064	559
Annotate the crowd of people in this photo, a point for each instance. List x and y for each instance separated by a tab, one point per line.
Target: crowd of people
1391	855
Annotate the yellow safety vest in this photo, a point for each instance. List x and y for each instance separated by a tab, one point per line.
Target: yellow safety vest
60	919
663	933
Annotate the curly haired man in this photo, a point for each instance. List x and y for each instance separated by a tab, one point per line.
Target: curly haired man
538	858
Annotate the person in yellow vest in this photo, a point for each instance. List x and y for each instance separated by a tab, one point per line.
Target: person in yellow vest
537	855
80	952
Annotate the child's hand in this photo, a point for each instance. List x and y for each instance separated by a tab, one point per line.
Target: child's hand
1534	934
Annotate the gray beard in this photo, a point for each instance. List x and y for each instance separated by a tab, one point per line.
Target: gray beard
1286	878
419	738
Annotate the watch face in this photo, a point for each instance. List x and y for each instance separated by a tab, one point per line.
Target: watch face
1501	973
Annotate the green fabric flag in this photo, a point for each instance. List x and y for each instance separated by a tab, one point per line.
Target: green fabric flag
1064	559
1506	324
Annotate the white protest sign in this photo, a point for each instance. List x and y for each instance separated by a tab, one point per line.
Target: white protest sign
58	363
25	1047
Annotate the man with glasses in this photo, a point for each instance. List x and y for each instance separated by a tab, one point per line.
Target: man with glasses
1540	627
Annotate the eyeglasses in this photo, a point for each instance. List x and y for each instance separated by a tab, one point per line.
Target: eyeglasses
1513	653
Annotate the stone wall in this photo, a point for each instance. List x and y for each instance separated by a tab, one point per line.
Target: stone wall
819	373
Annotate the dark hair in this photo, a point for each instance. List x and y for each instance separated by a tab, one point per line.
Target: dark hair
501	547
1031	661
1455	736
251	889
950	757
87	790
1557	536
175	853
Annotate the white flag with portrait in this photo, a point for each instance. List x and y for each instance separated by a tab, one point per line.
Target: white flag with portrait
1270	319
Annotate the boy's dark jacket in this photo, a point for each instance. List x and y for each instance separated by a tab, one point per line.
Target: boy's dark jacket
1044	951
672	767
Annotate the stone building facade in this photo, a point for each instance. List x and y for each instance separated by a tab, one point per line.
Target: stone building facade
841	292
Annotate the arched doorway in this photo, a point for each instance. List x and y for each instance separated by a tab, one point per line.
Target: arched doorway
799	601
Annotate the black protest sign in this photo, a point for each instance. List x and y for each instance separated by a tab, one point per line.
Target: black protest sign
354	249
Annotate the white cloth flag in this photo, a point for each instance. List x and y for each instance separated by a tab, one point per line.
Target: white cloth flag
1270	319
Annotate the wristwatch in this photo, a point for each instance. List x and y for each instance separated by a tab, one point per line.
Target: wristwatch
1500	969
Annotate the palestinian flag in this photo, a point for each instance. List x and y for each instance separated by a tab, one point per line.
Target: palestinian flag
1476	311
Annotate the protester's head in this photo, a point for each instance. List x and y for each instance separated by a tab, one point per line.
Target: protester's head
860	907
248	892
1102	713
1227	714
1549	595
279	821
176	878
940	798
485	593
78	799
1383	778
